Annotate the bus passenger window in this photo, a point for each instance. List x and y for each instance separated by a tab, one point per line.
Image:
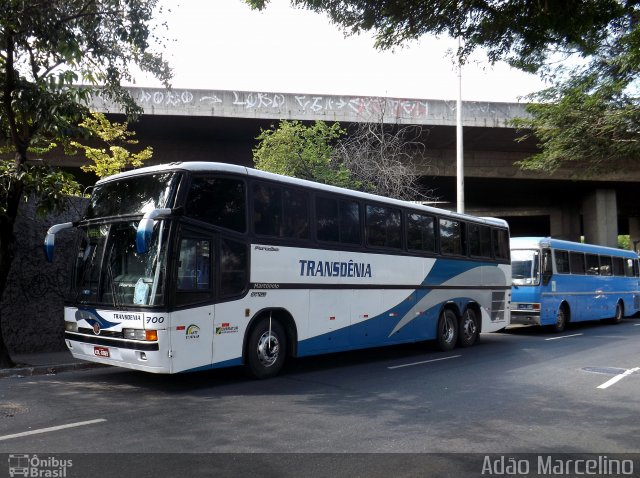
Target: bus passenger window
576	262
327	219
218	201
337	220
383	227
628	268
605	266
562	262
267	210
593	264
618	266
451	237
296	214
193	265
500	244
420	233
349	222
479	240
233	267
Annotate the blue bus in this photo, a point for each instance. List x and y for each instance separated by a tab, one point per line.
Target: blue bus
556	282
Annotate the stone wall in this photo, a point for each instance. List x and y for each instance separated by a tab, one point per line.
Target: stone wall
31	310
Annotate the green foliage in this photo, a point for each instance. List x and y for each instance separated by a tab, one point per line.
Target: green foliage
50	186
589	116
624	242
294	149
47	49
518	31
594	126
115	158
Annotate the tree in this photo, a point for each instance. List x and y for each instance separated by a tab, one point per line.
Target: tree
305	152
584	122
46	48
590	114
518	31
373	157
384	157
117	137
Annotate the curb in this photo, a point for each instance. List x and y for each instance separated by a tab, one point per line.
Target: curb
32	370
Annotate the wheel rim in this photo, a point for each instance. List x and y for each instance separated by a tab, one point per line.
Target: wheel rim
448	329
268	349
469	327
560	318
619	312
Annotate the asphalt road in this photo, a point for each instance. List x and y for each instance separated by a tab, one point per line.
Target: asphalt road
522	391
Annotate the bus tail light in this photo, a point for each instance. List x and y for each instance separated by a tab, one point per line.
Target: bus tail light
71	326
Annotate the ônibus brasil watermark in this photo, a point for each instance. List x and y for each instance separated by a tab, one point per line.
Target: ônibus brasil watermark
34	466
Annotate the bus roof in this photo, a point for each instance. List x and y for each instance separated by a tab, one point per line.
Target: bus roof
203	166
538	242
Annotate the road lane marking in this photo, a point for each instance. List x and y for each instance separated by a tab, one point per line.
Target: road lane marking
564	337
423	362
52	429
617	378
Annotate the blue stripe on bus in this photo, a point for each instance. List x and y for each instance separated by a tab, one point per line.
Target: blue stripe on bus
379	330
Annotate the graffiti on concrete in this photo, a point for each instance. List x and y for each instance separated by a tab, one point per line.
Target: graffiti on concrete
267	102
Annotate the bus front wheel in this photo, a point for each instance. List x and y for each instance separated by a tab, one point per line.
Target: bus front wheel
561	320
447	330
469	331
266	349
619	313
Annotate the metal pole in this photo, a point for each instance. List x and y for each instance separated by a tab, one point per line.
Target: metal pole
459	144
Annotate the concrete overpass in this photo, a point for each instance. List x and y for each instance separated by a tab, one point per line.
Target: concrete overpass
215	125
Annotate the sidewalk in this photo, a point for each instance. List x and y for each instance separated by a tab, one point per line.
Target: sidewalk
44	363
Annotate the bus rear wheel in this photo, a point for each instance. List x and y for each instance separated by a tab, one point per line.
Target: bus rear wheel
447	330
266	349
469	331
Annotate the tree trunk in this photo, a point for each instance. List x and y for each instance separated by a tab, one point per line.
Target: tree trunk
7	243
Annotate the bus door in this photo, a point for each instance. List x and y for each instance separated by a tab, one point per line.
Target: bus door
191	328
550	295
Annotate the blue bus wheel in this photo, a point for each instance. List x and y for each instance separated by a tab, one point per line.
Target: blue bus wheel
619	313
447	330
561	320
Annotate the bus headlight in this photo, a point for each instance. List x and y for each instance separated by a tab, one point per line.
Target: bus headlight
71	326
139	334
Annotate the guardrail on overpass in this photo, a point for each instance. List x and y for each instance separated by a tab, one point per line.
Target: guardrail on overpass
265	105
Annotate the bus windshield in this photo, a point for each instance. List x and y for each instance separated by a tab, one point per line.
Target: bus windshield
133	195
525	266
109	271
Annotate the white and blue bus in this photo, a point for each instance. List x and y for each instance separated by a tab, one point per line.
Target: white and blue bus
556	282
191	266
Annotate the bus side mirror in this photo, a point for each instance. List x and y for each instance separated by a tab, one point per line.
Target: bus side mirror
145	228
50	238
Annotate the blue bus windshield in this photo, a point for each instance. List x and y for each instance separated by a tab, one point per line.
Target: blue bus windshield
525	266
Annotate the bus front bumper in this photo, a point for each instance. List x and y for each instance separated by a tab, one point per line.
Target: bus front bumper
525	317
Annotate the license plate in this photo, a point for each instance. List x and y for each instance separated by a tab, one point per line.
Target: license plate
101	352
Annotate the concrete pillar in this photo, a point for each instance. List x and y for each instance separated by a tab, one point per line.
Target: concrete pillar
634	233
565	223
600	214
